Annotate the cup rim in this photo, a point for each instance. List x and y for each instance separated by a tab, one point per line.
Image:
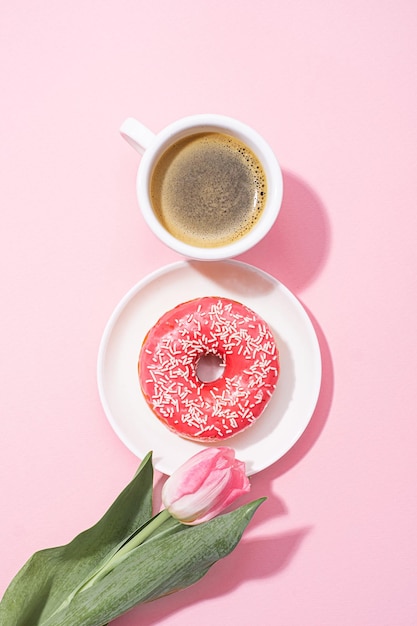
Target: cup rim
198	123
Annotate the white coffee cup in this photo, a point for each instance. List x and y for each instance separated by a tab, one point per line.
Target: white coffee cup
151	146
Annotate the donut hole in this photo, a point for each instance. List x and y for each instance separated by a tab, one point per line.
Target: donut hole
209	367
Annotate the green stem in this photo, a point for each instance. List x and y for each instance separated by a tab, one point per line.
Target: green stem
125	550
117	558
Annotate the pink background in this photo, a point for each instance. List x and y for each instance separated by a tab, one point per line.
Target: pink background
332	87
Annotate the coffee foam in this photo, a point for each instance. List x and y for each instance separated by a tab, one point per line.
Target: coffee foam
208	189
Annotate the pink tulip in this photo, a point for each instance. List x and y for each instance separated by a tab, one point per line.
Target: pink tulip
205	485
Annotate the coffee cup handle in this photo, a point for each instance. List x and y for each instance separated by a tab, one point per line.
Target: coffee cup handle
136	134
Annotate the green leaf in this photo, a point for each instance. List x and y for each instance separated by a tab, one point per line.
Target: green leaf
50	576
162	565
85	584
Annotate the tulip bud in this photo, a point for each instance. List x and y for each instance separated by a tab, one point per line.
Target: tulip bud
205	485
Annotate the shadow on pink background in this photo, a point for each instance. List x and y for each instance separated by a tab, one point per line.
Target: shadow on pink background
331	87
296	248
255	558
301	239
295	251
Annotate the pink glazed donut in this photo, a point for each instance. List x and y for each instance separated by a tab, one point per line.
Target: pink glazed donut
169	371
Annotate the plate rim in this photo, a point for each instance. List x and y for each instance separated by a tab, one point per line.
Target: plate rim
172	267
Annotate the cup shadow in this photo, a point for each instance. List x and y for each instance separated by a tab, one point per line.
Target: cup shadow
295	251
297	246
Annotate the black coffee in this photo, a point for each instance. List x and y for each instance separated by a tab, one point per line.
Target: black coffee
208	189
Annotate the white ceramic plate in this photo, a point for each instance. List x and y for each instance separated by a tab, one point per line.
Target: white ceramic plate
295	397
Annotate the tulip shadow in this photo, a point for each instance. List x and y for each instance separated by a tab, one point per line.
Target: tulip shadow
254	557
